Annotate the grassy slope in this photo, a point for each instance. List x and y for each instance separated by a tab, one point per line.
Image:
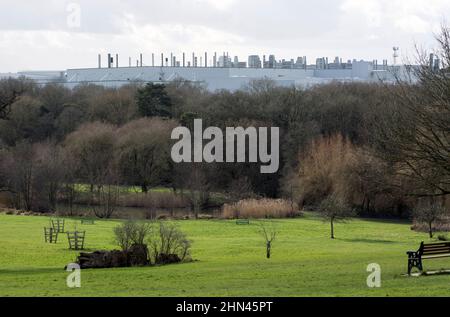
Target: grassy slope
231	262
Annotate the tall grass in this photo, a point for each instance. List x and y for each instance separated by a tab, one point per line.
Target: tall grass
260	208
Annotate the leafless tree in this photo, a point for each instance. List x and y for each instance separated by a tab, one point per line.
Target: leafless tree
93	146
412	132
195	182
69	180
333	209
269	233
32	176
106	195
143	150
430	213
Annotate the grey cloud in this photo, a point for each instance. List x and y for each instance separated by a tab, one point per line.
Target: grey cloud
258	19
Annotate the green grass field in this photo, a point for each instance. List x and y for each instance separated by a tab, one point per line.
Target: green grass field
230	261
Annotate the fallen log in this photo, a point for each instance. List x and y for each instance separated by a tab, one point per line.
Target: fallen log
137	255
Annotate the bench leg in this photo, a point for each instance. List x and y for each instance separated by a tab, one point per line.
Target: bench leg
414	263
420	266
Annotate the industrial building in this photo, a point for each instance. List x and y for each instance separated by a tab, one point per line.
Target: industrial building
222	72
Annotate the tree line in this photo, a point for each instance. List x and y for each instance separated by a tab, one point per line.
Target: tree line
381	149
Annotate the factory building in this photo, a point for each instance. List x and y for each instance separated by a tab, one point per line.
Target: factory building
224	73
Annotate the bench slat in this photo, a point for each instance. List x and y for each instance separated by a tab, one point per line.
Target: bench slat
436	247
435	253
445	255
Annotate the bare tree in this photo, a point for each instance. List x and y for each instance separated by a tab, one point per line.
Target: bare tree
32	176
144	152
69	180
333	209
194	179
93	146
106	195
269	233
412	131
429	213
241	188
115	106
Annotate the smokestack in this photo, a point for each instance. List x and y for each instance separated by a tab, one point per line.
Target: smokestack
184	59
141	59
171	59
206	59
117	60
153	59
193	60
162	59
109	60
99	60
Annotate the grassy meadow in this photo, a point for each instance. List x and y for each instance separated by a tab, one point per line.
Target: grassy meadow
229	261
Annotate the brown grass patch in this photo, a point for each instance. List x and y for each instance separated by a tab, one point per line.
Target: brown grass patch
260	208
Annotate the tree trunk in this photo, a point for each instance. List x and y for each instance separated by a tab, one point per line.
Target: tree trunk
430	227
268	249
332	228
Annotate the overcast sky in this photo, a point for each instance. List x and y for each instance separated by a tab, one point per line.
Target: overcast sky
45	35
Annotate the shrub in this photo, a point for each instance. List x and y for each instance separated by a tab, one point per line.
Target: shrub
262	208
168	244
323	167
131	233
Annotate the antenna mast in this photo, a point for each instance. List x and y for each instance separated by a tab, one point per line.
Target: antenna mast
396	55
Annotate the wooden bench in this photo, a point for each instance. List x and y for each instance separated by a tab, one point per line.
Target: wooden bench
51	235
58	225
427	252
76	240
242	222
